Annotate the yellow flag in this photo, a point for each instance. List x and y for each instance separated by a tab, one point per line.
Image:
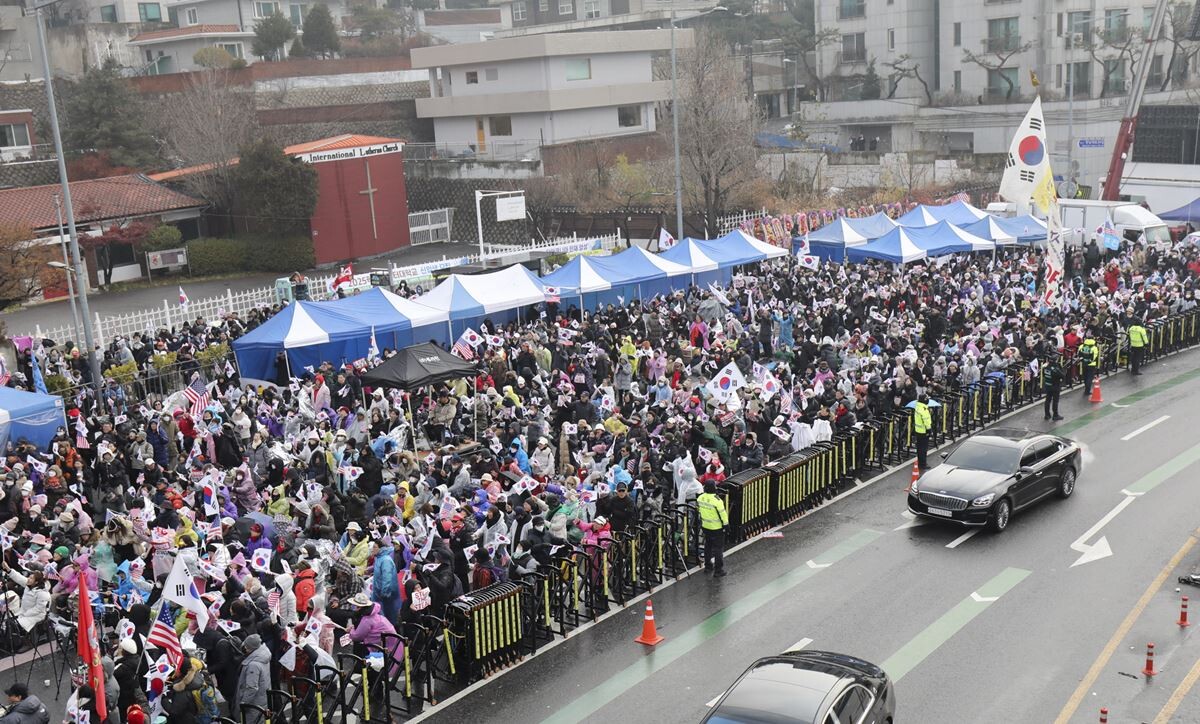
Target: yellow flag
1044	194
1033	79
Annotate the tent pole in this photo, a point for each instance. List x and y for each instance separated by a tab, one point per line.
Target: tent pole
412	424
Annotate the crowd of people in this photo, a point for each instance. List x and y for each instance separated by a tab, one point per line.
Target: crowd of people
307	523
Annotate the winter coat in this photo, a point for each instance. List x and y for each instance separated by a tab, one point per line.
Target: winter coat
255	678
370	630
29	710
35	602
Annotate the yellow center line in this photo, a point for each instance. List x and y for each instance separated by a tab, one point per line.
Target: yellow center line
1168	710
1110	648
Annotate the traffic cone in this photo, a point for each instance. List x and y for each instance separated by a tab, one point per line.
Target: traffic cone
916	475
649	635
1096	392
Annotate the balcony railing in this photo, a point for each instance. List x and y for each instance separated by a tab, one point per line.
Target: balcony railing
850	58
1116	86
1002	43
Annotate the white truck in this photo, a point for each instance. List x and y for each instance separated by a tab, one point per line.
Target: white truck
1081	218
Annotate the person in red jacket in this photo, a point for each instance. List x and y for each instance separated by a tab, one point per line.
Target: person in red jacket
305	587
187	427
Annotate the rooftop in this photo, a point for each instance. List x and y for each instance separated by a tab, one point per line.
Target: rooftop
345	140
116	197
542	46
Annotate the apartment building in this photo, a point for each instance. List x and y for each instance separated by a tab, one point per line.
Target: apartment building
509	96
531	17
984	52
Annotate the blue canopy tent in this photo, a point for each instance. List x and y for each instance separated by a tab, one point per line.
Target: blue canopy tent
309	332
29	415
830	241
957	213
499	296
397	322
663	276
873	226
895	246
737	247
1026	229
991	230
1188	212
704	268
919	215
945	238
578	279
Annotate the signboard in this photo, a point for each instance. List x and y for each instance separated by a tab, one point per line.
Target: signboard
1095	142
510	208
344	154
166	258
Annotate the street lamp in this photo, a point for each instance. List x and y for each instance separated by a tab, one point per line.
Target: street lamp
77	264
64	264
675	119
793	92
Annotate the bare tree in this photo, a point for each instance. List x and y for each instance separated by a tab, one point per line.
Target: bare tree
1111	49
210	122
905	67
1178	23
997	59
717	122
804	45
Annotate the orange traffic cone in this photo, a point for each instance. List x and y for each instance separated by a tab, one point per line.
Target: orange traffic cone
649	635
916	475
1096	392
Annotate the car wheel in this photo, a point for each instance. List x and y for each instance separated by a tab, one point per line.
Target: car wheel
1001	514
1066	486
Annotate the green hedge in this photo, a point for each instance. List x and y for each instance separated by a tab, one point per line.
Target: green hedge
250	254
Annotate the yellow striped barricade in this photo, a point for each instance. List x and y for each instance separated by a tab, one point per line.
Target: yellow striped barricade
566	588
748	500
787	488
491	626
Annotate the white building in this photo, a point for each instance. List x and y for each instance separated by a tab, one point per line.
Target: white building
984	52
227	24
508	96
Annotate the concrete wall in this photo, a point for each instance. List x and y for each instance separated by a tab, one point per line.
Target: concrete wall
891	170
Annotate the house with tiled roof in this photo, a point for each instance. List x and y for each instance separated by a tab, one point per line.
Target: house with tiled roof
98	204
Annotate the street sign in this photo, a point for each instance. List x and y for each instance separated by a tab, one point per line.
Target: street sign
510	208
1094	142
166	258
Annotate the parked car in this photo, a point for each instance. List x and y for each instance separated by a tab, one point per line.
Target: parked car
807	687
995	473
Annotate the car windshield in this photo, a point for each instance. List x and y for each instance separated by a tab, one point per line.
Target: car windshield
975	455
1158	234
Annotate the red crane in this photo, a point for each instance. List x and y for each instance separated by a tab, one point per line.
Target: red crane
1121	149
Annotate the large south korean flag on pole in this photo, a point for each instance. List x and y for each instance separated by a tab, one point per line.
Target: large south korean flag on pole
1027	158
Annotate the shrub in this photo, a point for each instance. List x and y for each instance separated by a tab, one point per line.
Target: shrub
122	374
212	354
58	385
163	236
279	254
216	256
161	361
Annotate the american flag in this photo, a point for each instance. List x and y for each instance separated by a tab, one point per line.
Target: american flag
162	635
463	349
273	600
197	394
785	403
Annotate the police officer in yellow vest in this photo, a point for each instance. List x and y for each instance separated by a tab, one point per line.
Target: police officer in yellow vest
713	518
1089	357
1138	339
922	423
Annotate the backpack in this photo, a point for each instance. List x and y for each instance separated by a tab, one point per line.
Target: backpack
207	709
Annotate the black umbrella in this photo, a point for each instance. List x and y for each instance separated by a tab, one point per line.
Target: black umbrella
418	366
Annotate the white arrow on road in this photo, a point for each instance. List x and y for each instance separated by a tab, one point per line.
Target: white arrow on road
1101	548
1120	406
814	565
983	599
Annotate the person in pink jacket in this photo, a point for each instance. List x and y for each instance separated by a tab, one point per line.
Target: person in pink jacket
373	626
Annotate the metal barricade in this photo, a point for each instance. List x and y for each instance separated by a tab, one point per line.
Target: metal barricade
787	488
748	498
491	628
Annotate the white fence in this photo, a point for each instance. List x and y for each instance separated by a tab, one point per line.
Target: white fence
729	222
242	302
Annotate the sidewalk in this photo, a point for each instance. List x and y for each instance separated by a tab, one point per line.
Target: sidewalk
57	313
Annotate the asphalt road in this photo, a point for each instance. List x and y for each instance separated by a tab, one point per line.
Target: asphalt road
106	304
973	628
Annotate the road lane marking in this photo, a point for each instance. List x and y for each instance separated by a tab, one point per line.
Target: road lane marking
683	643
1166	471
1145	427
962	538
939	632
799	645
715	699
816	566
1101	412
1099	549
912	522
1177	696
1122	631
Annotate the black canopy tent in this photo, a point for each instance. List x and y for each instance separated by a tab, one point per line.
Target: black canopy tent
418	366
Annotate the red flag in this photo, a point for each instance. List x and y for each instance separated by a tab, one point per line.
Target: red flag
345	275
89	646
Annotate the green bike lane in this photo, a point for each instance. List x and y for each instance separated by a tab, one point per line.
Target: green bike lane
898	597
